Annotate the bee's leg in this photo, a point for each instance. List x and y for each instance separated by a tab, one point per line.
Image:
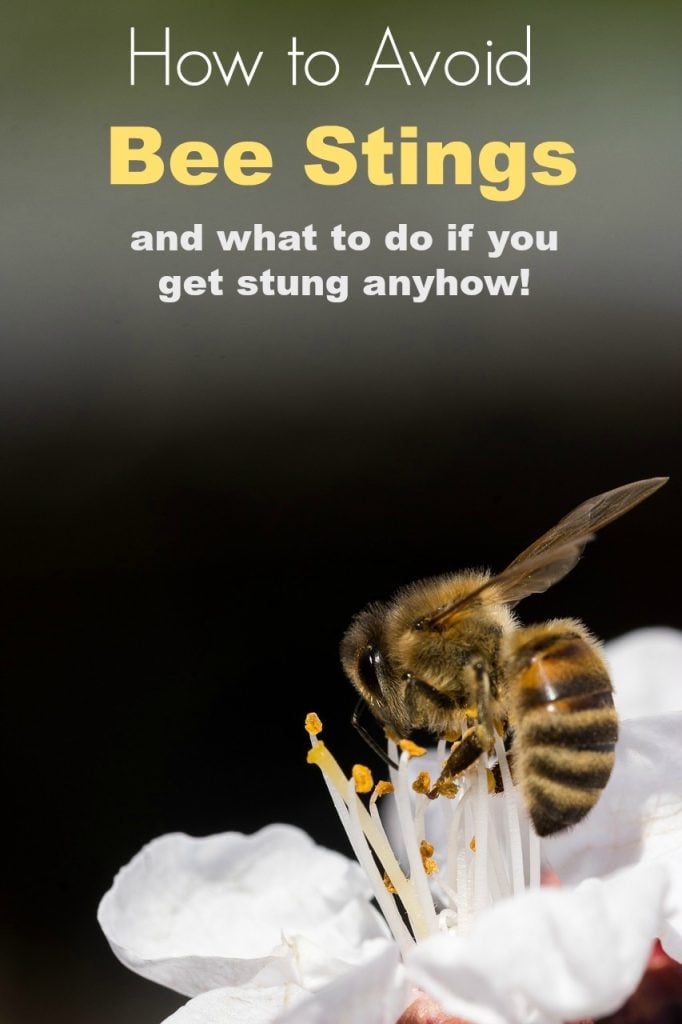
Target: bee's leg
484	700
465	753
479	738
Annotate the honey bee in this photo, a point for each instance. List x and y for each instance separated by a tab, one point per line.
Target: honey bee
449	656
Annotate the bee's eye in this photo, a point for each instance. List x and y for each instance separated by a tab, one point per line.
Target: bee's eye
369	665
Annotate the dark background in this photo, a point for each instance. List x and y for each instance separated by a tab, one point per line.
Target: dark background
196	499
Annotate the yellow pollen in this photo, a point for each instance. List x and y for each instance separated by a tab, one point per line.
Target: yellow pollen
390	734
472	844
335	777
426	851
452	737
499	727
491	781
313	724
362	777
422	784
411	748
447	788
383	787
389	884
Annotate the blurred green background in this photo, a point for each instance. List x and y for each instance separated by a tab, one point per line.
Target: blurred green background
167	467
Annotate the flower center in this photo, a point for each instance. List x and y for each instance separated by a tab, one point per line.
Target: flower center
449	857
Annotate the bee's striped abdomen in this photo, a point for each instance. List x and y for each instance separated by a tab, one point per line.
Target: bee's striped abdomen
566	726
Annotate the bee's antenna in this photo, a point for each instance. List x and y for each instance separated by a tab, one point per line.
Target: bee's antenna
369	740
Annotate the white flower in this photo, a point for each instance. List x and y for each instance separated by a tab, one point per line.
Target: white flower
646	670
639	818
272	927
270	911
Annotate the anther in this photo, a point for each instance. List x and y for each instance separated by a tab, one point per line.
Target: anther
444	787
422	784
389	884
313	724
408	747
426	851
362	777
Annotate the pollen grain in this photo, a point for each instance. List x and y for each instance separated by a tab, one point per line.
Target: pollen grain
362	777
426	851
313	724
422	784
389	884
411	748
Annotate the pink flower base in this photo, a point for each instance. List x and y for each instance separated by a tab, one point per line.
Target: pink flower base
658	997
424	1011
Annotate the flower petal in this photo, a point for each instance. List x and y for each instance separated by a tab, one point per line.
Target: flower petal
560	954
374	993
638	818
646	671
244	1005
267	909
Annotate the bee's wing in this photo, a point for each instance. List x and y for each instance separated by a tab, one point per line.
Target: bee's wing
554	554
591	516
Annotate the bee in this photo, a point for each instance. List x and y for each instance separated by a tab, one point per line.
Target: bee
449	656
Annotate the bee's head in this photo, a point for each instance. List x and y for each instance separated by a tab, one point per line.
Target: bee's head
367	664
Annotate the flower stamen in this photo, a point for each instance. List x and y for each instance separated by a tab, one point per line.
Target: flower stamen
362	829
481	858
